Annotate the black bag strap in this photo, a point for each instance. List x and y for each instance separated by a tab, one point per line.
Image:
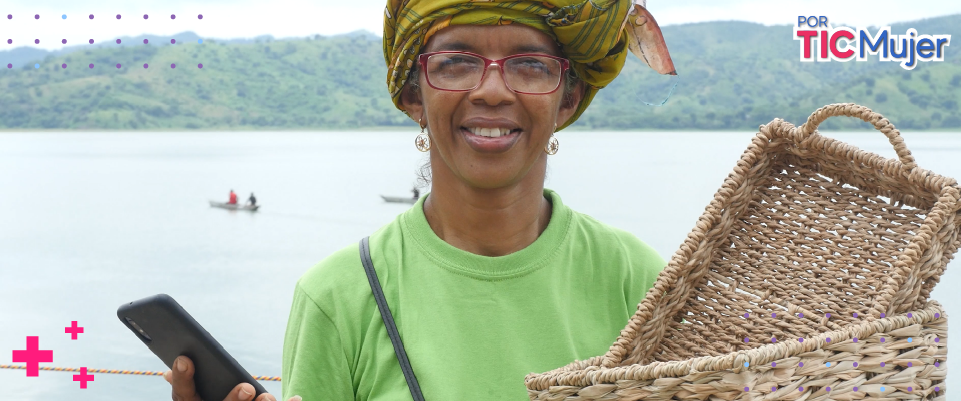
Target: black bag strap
389	320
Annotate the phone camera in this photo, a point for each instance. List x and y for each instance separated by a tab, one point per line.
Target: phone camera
138	328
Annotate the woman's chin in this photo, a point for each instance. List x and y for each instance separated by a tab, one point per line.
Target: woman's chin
493	178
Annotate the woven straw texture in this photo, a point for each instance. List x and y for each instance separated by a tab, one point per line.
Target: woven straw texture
811	238
881	357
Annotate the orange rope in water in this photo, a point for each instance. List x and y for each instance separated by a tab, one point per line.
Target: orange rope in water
121	372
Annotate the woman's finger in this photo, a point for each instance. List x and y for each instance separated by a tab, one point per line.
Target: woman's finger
183	380
244	392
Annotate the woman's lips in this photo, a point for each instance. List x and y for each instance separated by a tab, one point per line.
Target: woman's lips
486	144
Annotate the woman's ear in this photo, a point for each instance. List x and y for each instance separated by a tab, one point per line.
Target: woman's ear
410	98
569	103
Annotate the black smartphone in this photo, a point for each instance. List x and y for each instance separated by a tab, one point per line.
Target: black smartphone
169	331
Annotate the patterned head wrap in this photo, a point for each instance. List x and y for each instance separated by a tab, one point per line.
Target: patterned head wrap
595	35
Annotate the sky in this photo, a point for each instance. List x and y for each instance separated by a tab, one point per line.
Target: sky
301	18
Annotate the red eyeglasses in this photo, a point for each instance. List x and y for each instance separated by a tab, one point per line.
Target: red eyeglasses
531	74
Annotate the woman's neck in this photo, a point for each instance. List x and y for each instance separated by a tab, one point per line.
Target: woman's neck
488	222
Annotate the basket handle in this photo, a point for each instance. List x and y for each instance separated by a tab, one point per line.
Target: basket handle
865	114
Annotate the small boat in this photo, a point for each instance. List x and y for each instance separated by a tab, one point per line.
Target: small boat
234	206
399	199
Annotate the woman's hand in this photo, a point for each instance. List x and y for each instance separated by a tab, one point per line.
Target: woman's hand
181	378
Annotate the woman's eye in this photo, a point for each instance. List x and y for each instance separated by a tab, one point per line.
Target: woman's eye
457	61
531	66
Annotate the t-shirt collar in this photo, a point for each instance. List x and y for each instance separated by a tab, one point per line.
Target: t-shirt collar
516	264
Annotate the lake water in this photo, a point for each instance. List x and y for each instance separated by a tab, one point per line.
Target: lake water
93	220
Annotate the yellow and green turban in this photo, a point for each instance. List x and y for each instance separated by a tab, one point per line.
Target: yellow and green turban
595	35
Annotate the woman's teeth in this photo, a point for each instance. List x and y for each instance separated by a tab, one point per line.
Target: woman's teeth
489	132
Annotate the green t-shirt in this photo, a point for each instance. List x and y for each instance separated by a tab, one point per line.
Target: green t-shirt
473	326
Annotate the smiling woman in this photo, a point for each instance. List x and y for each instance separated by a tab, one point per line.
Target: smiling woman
465	126
490	276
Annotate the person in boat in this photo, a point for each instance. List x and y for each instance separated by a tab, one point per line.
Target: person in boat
416	192
490	276
232	200
252	201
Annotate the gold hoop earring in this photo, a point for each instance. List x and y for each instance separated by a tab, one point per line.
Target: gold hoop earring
552	145
422	141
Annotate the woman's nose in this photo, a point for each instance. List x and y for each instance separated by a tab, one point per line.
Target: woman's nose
493	89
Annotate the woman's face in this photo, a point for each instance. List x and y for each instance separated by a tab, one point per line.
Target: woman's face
455	119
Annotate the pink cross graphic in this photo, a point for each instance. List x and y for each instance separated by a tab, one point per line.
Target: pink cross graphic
83	378
33	356
73	330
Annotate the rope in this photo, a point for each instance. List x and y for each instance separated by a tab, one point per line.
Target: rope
120	372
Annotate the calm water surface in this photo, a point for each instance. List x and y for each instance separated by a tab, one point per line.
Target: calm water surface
92	220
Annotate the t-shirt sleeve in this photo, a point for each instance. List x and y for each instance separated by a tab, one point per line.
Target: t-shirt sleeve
315	364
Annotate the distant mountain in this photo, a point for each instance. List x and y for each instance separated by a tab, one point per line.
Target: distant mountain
733	75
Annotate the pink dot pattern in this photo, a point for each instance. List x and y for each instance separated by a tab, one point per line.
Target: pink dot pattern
145	41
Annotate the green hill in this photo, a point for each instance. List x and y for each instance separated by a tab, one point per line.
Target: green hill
733	75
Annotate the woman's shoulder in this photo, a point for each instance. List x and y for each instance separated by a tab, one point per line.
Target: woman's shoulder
604	236
331	281
340	277
334	269
623	255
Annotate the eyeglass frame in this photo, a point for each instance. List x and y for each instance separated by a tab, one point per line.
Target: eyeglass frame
565	65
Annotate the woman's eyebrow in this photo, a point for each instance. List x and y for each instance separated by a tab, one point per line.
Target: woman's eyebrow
533	49
454	46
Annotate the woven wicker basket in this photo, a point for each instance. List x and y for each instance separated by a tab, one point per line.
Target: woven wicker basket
809	244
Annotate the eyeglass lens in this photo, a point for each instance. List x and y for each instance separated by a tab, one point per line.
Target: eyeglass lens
529	74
